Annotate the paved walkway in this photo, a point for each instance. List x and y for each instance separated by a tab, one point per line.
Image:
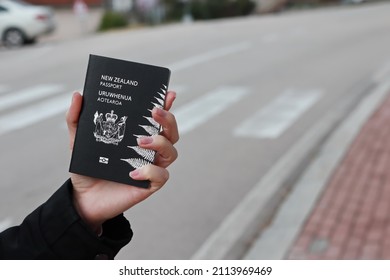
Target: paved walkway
70	27
351	218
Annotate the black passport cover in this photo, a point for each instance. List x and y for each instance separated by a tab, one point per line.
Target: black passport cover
118	98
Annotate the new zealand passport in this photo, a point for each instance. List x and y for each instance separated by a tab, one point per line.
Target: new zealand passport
118	98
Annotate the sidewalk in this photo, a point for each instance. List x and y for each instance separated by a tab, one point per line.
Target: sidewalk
68	26
351	220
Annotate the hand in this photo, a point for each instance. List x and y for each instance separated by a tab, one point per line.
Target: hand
99	200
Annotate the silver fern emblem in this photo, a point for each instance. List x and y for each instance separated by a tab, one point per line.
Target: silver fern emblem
151	130
153	122
147	156
144	153
136	162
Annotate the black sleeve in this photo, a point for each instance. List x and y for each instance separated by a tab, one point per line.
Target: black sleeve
55	231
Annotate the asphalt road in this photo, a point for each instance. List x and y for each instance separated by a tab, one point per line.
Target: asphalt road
248	89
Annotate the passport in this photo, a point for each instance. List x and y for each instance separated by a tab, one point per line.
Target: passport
118	98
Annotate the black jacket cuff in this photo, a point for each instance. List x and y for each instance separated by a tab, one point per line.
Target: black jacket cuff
56	231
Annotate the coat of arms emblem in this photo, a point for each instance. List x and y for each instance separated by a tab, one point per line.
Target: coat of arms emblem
109	131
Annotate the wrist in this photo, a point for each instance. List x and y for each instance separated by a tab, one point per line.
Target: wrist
93	224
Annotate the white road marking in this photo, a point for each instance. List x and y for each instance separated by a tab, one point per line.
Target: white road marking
42	110
33	114
205	57
198	112
271	121
271	38
179	89
382	74
296	32
27	55
4	224
3	88
27	95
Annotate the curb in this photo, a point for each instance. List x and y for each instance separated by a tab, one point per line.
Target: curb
235	235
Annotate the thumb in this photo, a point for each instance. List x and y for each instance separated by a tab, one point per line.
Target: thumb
72	116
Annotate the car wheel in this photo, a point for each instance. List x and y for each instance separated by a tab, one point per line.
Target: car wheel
13	37
30	41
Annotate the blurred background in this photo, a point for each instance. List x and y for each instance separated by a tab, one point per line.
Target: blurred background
253	77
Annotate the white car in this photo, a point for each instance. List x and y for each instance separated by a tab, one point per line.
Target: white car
22	23
353	1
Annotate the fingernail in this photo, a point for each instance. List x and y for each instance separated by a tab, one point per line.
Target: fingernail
73	97
144	140
134	174
160	112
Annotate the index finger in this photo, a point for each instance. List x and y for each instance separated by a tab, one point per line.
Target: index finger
169	98
168	122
